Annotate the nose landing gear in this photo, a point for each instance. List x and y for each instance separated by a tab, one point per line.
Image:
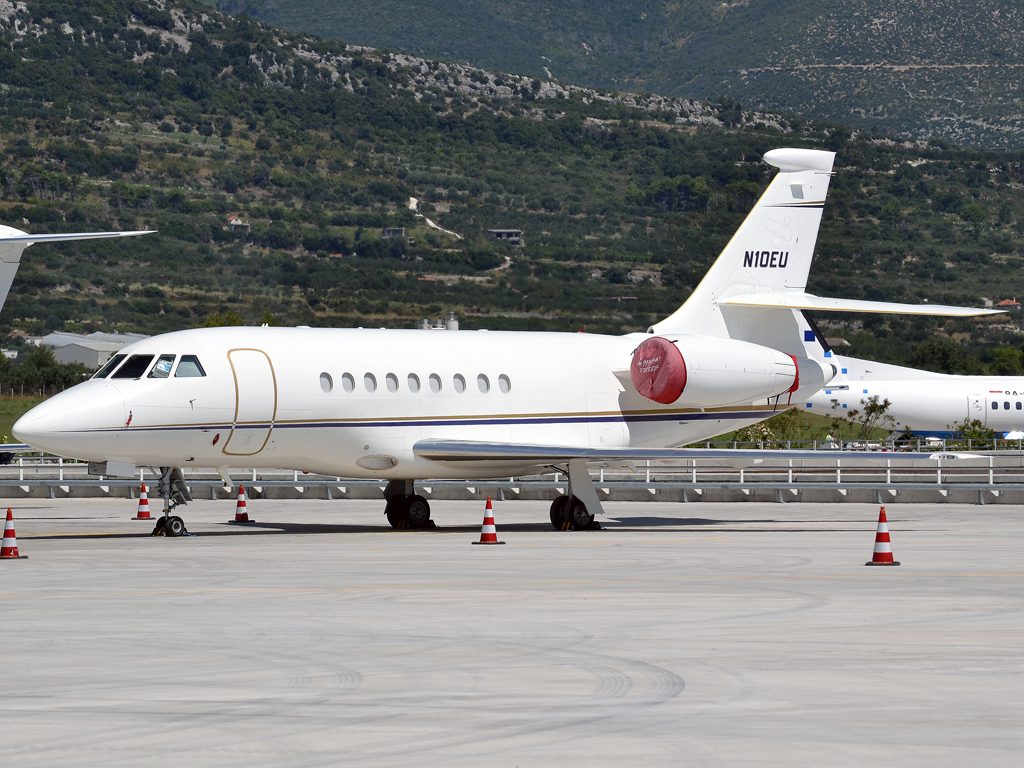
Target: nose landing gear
174	492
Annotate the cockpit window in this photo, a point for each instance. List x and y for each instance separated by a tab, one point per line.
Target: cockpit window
162	369
189	367
134	368
112	363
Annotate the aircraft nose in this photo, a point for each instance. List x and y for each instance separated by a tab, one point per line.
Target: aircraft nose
84	422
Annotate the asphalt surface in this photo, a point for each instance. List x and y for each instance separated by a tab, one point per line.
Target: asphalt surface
696	634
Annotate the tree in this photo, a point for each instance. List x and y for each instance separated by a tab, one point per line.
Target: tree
875	415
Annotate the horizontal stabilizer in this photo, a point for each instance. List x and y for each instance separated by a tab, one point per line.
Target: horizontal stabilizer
808	301
23	237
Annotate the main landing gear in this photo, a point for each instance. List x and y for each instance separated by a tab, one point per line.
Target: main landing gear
576	511
172	488
570	514
405	509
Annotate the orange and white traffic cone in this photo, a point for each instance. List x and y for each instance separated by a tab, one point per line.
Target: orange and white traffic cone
241	513
488	533
143	513
9	548
883	547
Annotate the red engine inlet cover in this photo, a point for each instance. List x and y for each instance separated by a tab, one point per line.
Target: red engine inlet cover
658	370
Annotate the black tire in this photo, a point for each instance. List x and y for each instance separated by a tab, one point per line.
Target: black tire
417	512
175	526
396	514
577	514
558	512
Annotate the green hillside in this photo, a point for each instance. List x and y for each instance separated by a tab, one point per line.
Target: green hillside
950	68
172	116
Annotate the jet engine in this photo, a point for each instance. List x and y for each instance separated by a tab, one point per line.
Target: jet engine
709	372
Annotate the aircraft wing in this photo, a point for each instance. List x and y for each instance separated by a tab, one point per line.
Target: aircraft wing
541	455
809	301
31	239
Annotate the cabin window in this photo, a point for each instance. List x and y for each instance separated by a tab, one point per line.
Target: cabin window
392	381
134	368
459	382
163	366
1006	406
1018	405
504	385
370	382
414	383
189	367
112	363
326	382
435	383
483	383
995	406
348	382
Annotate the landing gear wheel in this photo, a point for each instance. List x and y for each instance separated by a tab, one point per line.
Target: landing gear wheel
578	515
417	512
396	512
558	518
175	526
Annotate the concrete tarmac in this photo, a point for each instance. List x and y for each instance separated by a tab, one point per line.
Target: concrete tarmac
699	634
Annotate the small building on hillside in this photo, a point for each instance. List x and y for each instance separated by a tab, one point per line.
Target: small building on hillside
1008	303
235	224
388	232
513	237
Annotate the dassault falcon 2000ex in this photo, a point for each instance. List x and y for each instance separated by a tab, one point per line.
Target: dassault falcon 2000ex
407	405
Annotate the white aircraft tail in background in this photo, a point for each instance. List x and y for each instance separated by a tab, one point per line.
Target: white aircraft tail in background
13	242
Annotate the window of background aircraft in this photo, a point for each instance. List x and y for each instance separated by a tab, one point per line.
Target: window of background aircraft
504	385
163	366
370	382
1006	406
112	363
326	382
995	406
435	383
459	382
483	383
1018	405
348	382
414	383
189	368
392	381
134	368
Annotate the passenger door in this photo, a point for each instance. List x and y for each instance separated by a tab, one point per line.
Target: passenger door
255	402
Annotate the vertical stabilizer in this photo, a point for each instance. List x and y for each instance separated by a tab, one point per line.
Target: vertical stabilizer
771	251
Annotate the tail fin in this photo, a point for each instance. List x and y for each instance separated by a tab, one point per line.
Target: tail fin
13	242
771	251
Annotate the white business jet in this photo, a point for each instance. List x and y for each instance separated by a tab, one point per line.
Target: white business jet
408	405
926	403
